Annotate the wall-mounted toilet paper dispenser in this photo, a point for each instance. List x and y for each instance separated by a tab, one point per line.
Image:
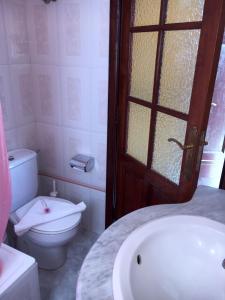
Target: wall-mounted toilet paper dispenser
82	162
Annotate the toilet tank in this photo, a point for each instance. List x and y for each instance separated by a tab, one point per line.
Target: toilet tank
24	176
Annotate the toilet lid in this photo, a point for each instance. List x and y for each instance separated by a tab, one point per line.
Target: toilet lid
56	226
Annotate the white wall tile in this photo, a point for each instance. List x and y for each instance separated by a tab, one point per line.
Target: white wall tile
98	150
99	99
27	136
74	29
12	140
50	143
76	142
46	186
42	30
3	45
47	94
97	209
16	29
99	37
75	98
22	96
5	98
93	218
76	194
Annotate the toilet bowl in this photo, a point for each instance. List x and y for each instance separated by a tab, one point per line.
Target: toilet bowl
47	242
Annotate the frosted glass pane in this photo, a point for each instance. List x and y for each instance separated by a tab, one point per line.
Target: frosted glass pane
146	12
143	65
167	156
178	68
185	10
138	131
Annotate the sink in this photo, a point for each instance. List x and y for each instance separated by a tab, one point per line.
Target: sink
172	258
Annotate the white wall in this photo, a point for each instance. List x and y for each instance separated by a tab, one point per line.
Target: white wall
58	79
16	76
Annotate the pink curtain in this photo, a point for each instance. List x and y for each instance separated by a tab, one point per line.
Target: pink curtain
5	189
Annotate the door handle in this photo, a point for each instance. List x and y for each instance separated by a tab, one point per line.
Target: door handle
182	147
185	147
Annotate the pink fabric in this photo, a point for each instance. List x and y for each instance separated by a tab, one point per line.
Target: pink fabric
5	189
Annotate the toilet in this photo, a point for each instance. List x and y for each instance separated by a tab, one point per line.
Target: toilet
47	242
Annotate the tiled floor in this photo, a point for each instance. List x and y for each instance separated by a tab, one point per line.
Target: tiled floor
61	284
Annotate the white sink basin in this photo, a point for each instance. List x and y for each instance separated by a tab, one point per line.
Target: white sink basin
172	258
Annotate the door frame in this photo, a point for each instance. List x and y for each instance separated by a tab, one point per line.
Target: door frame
113	112
222	180
114	58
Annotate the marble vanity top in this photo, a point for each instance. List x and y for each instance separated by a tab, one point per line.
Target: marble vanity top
95	279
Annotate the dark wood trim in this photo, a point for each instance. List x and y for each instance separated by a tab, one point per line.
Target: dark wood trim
124	70
223	38
140	102
222	181
114	47
158	65
165	110
168	27
172	112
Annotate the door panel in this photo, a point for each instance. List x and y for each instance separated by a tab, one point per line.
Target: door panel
167	71
138	131
146	12
135	182
167	156
184	11
178	69
143	65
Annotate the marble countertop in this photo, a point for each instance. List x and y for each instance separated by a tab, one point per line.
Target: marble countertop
95	279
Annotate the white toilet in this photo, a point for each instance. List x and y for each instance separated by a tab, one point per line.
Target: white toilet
46	242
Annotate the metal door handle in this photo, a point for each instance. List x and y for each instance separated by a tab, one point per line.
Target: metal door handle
184	147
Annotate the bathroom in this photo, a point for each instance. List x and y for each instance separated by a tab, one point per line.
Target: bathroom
64	68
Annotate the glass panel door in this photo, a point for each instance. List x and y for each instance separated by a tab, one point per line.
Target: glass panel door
164	42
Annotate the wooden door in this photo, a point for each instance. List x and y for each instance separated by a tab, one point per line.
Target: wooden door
169	52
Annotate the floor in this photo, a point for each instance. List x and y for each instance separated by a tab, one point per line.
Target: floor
61	284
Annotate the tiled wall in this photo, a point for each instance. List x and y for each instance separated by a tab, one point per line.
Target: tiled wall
16	76
55	96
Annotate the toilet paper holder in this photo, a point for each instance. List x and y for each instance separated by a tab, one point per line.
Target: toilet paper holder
83	163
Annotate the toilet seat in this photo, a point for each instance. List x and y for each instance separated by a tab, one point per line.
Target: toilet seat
53	227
